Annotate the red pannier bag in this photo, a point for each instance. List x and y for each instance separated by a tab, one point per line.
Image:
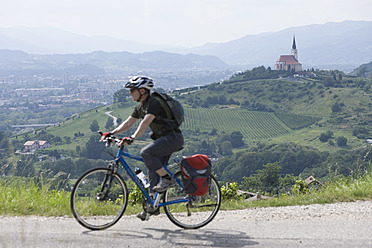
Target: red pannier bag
196	173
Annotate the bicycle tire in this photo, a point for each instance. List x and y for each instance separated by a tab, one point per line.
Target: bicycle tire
94	210
201	210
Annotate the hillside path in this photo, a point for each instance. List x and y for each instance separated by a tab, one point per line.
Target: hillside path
113	117
331	225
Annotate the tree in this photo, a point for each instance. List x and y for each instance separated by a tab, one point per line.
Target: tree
341	141
56	139
267	179
222	138
269	176
67	139
120	96
236	139
54	153
94	148
336	107
109	123
324	137
213	132
226	148
204	148
94	127
360	132
340	76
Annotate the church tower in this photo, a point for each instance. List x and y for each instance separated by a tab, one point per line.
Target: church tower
294	49
289	62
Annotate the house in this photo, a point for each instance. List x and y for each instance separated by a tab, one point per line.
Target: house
31	146
249	196
313	182
215	157
289	62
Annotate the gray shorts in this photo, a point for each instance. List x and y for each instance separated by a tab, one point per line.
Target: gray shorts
155	154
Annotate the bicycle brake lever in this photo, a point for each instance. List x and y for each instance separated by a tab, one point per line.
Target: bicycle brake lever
108	141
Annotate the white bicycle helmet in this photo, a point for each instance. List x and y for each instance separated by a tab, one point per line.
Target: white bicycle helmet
138	82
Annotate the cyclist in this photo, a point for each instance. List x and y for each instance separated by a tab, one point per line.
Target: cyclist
166	139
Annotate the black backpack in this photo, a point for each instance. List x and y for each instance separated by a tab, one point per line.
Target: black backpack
175	113
196	173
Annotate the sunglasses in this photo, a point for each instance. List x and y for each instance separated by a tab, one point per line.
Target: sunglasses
132	90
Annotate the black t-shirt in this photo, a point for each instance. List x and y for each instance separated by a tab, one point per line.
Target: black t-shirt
153	106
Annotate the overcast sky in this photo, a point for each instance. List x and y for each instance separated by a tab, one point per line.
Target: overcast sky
179	22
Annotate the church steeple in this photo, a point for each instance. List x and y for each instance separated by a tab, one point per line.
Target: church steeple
294	43
294	49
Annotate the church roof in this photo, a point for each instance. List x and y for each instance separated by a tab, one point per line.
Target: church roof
288	59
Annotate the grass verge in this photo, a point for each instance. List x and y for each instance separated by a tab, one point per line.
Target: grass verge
20	198
342	190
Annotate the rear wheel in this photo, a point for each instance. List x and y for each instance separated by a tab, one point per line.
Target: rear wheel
198	211
99	199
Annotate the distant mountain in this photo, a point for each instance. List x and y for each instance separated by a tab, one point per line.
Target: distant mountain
21	63
343	44
50	40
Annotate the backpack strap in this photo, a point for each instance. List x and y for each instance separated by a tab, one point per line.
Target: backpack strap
169	120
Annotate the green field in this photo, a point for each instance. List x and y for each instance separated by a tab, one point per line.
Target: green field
81	122
252	124
296	121
269	110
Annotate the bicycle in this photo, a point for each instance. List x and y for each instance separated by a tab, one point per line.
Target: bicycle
100	196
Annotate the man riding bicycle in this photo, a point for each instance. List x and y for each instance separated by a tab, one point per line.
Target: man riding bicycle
167	139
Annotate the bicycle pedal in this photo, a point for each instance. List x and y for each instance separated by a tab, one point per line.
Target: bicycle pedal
144	216
147	216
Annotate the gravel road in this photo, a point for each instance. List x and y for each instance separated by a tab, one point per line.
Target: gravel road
330	225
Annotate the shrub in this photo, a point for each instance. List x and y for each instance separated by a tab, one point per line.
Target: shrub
300	188
230	192
341	141
136	196
324	137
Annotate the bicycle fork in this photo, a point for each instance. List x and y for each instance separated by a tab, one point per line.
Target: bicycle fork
106	184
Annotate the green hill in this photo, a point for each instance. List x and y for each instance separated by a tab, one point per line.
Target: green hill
310	126
364	70
306	107
254	125
270	110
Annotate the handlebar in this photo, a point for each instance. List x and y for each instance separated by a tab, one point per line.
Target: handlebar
109	139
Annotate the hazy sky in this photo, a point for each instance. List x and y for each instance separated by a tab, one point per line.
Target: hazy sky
179	22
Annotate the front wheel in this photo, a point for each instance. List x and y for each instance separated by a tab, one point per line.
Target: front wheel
99	198
197	211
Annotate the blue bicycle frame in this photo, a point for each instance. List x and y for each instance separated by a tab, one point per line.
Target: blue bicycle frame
120	158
